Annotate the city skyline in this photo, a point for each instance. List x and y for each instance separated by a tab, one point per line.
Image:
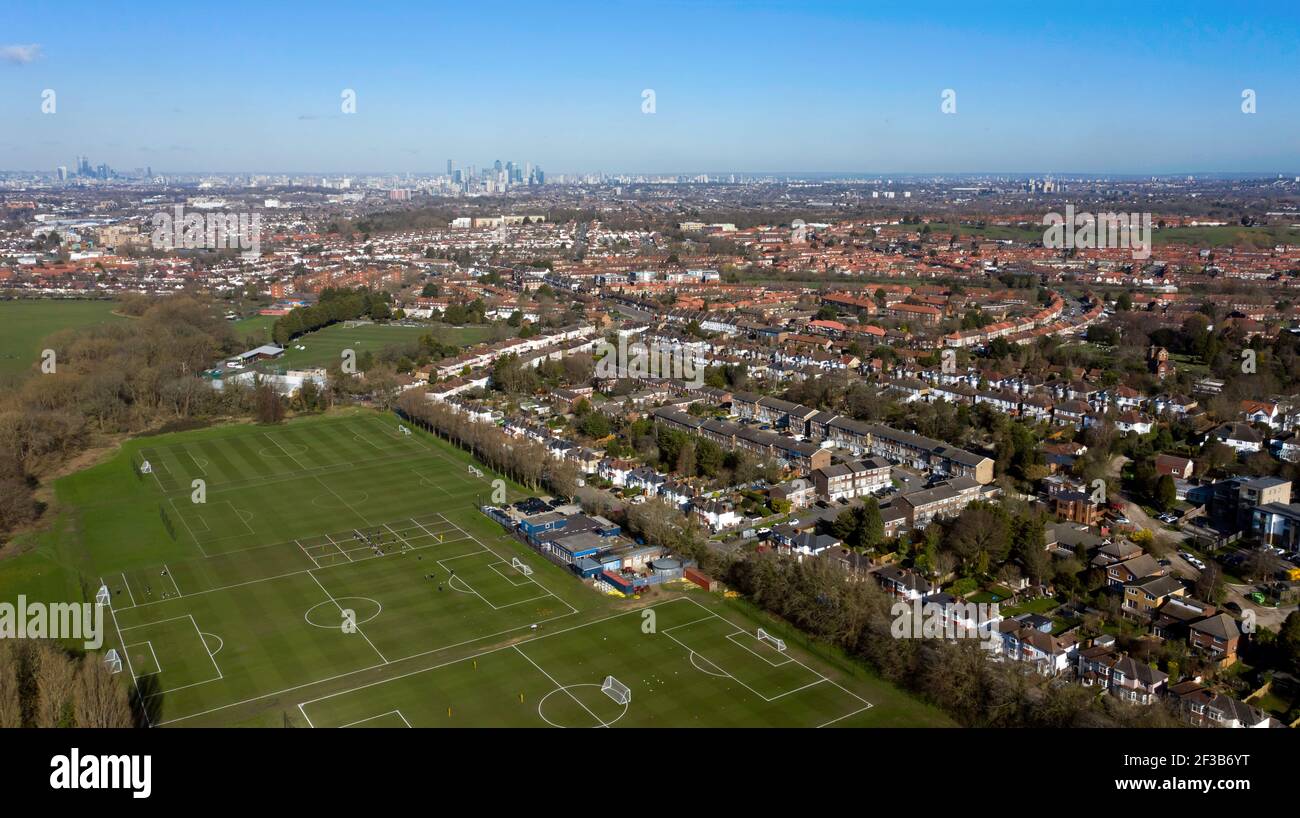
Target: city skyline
762	89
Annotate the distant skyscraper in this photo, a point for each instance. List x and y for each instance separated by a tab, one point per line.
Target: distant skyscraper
63	173
448	167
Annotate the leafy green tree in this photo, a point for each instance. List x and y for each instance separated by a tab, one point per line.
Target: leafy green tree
1166	492
1288	643
595	425
861	526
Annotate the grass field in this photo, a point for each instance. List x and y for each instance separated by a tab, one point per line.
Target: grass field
338	573
24	325
255	330
325	346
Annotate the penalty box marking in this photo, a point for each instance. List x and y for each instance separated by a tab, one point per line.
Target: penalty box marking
430	517
371	718
441	665
523	580
485	547
394	440
731	637
866	705
822	677
157	664
471	589
196	512
431	482
437	451
741	682
202	641
126	654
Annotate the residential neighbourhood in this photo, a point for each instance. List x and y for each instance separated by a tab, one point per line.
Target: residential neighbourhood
626	366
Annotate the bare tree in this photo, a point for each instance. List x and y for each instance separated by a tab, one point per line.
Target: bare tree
56	680
11	708
99	701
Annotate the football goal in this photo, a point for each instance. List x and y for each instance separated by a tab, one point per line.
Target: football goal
616	690
113	661
146	467
103	596
519	566
403	430
764	636
474	470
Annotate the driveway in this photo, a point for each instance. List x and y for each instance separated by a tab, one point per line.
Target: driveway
1139	518
1265	617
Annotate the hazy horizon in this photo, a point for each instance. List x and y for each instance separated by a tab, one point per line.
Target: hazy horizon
1114	91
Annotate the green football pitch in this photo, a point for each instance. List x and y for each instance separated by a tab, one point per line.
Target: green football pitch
337	572
324	347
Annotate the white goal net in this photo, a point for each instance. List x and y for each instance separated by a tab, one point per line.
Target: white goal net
146	467
616	690
474	470
403	430
764	636
519	566
103	596
113	661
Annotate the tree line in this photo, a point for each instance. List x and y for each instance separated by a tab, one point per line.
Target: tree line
523	461
106	380
817	597
333	306
42	685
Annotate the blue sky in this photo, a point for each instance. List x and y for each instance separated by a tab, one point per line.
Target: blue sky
755	86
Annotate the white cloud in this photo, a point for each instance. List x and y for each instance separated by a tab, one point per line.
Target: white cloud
20	54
